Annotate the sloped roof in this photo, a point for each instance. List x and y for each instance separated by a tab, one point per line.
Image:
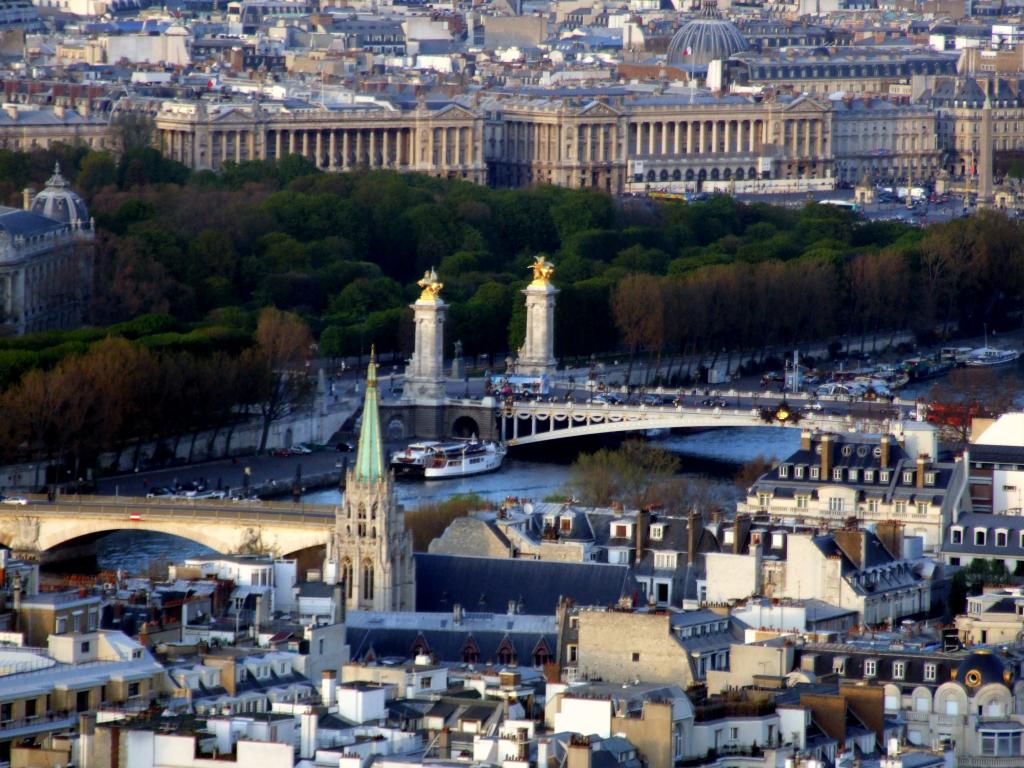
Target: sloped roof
490	584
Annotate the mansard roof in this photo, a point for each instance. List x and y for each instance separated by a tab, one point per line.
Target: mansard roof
487	584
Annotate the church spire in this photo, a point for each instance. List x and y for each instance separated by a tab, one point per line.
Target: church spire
370	456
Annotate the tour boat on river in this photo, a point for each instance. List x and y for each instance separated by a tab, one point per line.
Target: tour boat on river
463	458
986	357
412	459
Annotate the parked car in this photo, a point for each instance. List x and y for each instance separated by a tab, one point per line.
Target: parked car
20	501
157	493
345	447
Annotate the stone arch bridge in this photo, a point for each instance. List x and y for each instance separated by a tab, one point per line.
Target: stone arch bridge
225	527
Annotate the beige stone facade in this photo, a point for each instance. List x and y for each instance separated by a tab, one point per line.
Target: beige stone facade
554	141
442	142
620	646
710	139
884	140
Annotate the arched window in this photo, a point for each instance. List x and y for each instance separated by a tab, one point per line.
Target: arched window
367	580
677	175
664	175
346	576
373	511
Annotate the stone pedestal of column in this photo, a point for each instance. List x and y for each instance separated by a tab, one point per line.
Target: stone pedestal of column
537	356
425	380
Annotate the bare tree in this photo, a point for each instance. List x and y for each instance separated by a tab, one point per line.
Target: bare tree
637	307
281	359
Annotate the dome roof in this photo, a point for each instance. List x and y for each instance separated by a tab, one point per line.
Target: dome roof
59	202
705	39
981	668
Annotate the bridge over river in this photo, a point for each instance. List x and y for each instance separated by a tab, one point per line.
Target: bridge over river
226	527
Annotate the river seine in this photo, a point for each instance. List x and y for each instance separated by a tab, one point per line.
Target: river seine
714	455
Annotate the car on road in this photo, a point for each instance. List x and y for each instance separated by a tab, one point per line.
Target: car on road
20	501
300	450
209	495
714	402
281	452
157	493
135	516
345	447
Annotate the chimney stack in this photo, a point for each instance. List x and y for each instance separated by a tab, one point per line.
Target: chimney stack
309	721
922	460
338	608
579	754
329	688
826	456
26	198
643	518
805	440
884	444
692	535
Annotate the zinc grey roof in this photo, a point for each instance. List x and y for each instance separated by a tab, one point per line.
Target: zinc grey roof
490	584
16	221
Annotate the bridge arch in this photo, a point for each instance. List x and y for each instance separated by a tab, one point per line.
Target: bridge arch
465	426
222	530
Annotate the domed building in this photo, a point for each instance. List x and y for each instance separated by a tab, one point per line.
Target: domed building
45	260
706	38
59	202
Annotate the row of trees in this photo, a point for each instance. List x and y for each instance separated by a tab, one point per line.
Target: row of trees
343	252
120	394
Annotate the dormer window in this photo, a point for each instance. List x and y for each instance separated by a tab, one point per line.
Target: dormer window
798	472
929	478
815	473
784	470
908	478
620	531
980	535
869	475
870	667
565	524
764	500
837	474
549	521
657	532
851	475
956	535
1002	538
883	476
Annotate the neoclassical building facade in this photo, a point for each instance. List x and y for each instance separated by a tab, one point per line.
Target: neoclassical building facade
601	140
440	142
45	260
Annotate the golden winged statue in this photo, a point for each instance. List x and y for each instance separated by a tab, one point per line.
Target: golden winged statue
431	286
542	271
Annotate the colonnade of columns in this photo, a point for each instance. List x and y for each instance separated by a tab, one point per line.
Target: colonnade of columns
803	137
425	147
528	141
663	138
